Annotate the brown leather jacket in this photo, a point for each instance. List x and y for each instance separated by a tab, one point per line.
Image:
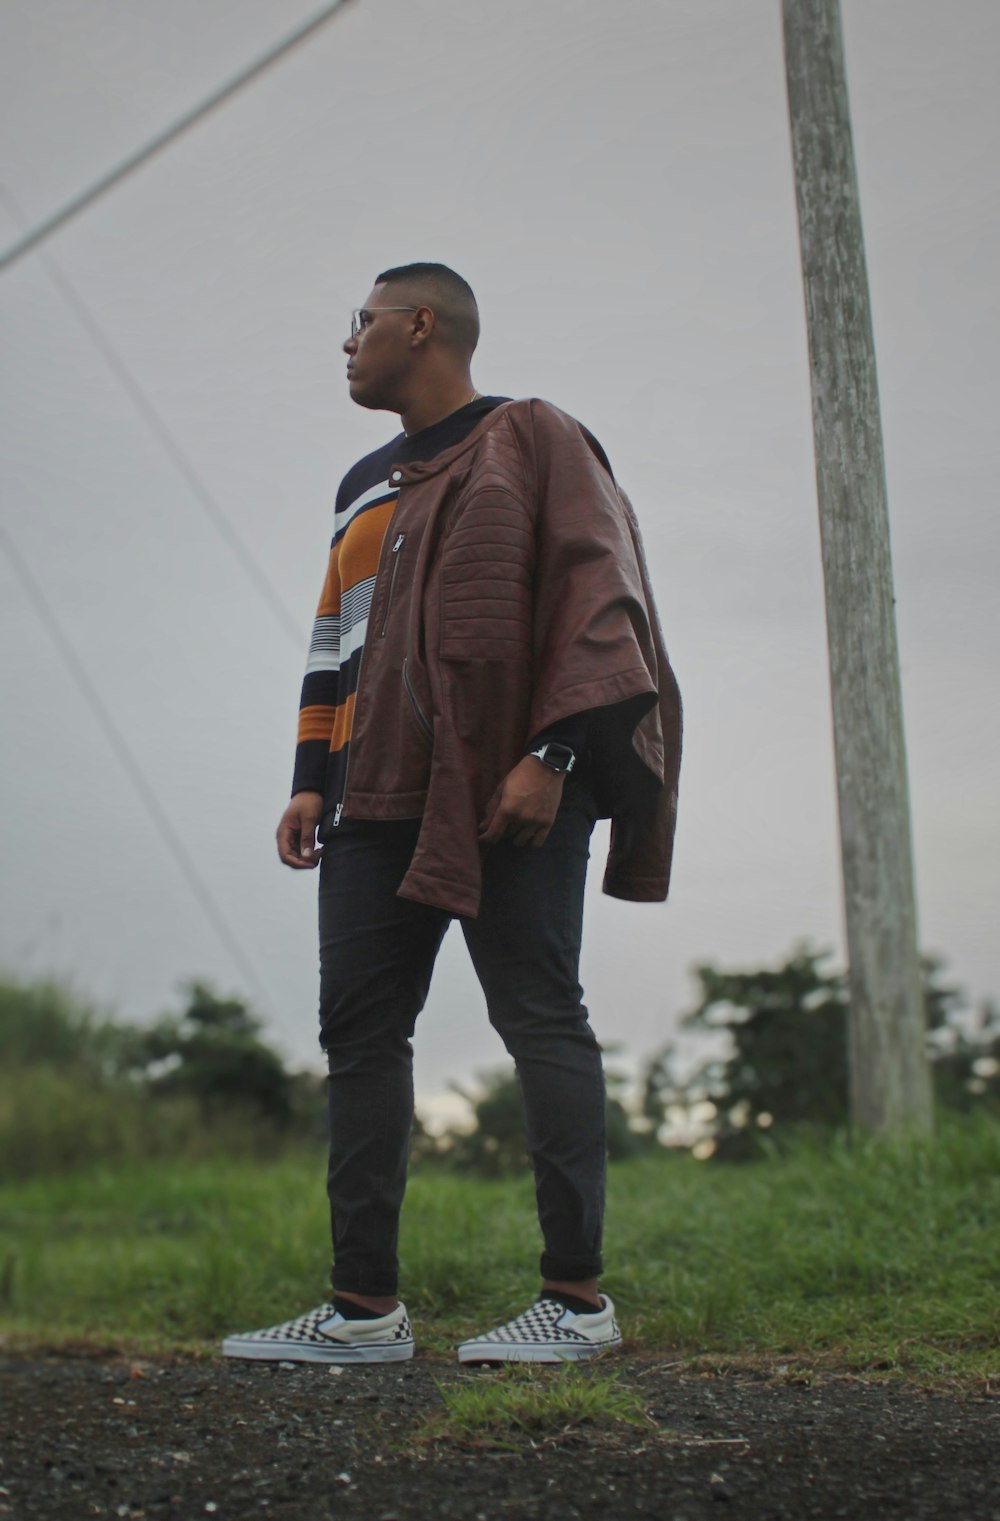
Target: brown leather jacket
511	592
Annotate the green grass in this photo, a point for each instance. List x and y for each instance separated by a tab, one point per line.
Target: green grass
870	1256
537	1402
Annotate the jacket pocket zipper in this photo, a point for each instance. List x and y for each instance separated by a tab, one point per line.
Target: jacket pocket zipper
392	581
418	712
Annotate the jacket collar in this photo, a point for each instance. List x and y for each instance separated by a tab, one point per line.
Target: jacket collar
421	470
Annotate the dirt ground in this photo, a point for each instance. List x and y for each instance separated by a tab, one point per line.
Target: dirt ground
83	1437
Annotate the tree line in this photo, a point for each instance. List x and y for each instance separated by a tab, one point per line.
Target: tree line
78	1086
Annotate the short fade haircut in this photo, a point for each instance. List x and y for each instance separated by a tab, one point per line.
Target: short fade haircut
451	297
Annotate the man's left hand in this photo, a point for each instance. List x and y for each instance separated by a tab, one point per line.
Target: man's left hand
528	803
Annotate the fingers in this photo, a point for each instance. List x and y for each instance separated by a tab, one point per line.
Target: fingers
296	838
526	807
495	829
529	834
508	824
300	858
301	861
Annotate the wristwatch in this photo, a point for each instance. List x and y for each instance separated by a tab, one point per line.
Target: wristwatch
557	757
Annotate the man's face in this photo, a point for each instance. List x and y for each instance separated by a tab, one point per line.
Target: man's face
380	357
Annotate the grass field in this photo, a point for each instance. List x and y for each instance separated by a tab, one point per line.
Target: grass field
855	1257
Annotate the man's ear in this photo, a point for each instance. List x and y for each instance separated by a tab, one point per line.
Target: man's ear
422	326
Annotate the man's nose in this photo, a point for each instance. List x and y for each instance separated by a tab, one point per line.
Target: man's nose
351	345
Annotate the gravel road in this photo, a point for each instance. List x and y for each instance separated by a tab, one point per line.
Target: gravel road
83	1437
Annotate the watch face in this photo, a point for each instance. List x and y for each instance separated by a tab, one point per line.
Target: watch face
559	757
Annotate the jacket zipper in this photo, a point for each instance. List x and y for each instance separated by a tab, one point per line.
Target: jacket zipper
397	546
392	584
418	711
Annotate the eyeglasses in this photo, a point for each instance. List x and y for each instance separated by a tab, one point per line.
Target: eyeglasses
363	315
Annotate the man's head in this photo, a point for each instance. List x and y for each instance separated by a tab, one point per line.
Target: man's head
417	329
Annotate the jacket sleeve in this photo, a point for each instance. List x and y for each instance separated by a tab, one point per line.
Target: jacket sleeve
592	636
595	612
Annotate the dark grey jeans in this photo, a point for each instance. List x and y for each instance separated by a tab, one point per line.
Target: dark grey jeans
377	952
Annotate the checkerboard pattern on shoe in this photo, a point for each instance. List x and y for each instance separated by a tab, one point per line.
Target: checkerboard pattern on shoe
324	1336
546	1333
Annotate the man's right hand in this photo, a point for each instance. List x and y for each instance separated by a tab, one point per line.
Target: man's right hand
297	831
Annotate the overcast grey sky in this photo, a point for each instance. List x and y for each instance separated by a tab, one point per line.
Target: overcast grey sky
615	182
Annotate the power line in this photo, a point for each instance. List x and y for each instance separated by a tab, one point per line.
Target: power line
168	135
161	432
133	770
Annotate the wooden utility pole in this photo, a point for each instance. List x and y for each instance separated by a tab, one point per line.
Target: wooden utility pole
890	1077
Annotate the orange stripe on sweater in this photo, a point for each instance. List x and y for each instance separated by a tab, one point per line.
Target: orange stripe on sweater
316	722
329	601
343	723
361	545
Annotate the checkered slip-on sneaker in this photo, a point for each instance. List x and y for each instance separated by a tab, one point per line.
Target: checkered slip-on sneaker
324	1336
546	1333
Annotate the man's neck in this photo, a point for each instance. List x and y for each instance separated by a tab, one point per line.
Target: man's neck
430	409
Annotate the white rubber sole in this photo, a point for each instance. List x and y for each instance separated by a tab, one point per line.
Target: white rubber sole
490	1352
298	1352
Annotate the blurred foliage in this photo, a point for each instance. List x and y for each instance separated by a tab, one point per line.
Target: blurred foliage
48	1023
783	1065
213	1053
78	1086
496	1143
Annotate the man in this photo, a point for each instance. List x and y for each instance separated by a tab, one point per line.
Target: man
486	677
